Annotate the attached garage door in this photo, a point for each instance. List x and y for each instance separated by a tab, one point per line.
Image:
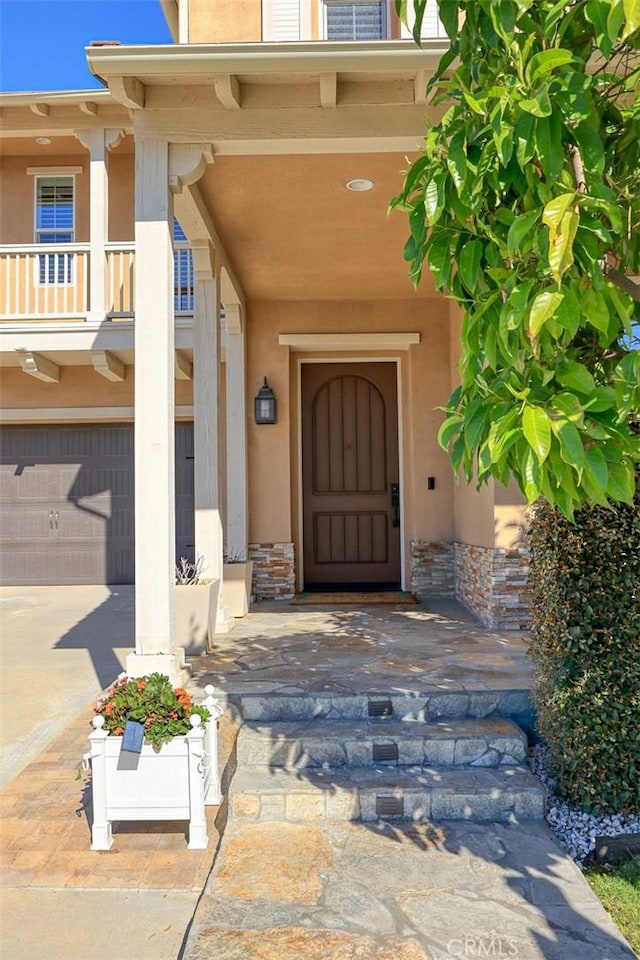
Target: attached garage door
66	503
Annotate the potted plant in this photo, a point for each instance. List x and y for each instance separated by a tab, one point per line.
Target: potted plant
196	606
153	756
237	572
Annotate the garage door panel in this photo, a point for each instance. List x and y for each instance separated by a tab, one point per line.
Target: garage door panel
67	503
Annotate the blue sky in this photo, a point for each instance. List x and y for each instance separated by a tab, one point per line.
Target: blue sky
42	41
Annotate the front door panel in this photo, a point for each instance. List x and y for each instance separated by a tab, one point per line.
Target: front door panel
349	464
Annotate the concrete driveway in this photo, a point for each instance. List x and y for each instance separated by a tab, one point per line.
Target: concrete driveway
60	646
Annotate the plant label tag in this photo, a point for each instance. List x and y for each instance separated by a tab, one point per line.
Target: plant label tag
133	736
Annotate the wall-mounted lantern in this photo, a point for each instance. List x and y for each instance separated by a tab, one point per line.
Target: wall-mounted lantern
265	405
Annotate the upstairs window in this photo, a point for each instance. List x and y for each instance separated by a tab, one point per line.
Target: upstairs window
54	225
54	210
359	20
184	280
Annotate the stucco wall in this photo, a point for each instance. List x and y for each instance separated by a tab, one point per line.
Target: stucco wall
273	449
79	386
121	197
225	21
18	195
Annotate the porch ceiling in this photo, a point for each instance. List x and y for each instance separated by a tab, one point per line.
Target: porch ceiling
294	232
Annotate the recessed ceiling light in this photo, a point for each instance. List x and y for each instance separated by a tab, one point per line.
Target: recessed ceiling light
359	185
43	141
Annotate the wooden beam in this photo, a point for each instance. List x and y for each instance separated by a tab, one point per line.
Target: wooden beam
38	366
193	215
420	86
108	365
40	109
183	367
227	90
328	89
129	91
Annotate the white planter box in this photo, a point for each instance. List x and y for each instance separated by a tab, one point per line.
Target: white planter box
174	783
236	587
196	607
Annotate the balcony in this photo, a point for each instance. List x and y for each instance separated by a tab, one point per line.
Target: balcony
50	283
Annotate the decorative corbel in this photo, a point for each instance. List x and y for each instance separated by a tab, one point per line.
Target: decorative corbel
187	163
38	366
107	365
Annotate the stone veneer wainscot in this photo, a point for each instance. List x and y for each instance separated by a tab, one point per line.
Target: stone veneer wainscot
492	582
274	576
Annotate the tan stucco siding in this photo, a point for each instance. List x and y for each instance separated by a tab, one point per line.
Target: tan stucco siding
17	196
79	387
122	197
225	21
424	376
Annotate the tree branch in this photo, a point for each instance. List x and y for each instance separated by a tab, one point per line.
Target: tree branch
626	284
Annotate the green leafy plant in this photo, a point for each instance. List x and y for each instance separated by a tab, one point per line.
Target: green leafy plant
164	710
525	206
585	646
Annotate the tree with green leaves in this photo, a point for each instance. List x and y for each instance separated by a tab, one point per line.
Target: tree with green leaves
525	206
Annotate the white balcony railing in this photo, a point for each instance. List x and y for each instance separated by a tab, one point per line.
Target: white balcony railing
43	282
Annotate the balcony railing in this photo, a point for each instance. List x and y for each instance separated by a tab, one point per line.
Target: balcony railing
43	282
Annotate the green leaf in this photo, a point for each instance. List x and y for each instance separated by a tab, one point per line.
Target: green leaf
604	398
432	201
548	139
596	474
555	210
538	106
590	145
576	376
571	448
621	484
448	430
561	244
545	62
519	230
469	264
543	307
632	15
532	477
537	430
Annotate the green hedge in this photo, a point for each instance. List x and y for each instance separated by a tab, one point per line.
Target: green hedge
585	583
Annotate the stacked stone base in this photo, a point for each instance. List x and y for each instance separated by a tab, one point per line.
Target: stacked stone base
489	581
274	575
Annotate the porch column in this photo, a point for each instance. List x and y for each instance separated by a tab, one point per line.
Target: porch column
98	143
237	502
154	419
206	433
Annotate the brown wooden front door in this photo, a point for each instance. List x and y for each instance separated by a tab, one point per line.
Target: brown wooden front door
349	464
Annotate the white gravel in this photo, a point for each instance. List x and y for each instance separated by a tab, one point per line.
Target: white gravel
577	831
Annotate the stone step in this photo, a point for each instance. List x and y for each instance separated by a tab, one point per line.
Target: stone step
363	743
427	706
506	794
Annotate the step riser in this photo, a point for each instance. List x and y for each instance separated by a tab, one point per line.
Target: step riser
502	703
370	805
300	754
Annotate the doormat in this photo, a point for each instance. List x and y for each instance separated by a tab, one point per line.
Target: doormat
357	598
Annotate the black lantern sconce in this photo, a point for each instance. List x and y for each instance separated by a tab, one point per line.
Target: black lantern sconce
265	405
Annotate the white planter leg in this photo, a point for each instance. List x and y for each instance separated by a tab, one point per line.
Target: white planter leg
101	836
213	793
198	838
